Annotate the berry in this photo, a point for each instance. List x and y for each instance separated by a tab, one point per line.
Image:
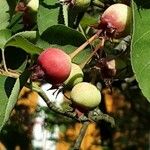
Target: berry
116	19
76	76
56	65
82	4
33	5
85	95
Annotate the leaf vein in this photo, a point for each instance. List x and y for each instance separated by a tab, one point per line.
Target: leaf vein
142	36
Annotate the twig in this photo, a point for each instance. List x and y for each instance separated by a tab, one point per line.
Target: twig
52	107
92	117
79	139
9	73
105	117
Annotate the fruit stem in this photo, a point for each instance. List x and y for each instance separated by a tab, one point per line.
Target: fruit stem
4	61
79	49
100	46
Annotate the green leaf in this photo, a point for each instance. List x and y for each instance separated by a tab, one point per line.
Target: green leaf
49	2
16	58
9	93
12	6
65	38
48	15
16	22
19	40
140	54
29	35
88	20
4	14
5	34
62	35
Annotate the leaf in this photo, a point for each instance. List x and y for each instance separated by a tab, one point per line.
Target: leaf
140	54
62	35
4	14
16	58
9	93
65	38
5	34
12	6
88	20
49	2
29	35
16	22
19	40
48	15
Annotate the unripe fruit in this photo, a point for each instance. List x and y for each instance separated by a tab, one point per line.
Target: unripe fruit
117	18
76	76
56	65
85	95
82	4
33	5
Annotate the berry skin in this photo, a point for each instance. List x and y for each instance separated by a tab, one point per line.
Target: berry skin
33	5
82	4
76	76
56	65
85	95
116	19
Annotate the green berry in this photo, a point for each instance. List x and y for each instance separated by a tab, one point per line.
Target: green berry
82	4
76	76
33	5
86	95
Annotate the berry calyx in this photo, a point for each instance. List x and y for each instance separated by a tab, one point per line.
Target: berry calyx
116	20
76	76
56	65
85	95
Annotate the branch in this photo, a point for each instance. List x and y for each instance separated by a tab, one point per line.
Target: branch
79	139
93	115
58	110
105	117
9	73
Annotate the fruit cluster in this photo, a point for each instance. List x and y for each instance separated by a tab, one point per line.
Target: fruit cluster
58	69
55	66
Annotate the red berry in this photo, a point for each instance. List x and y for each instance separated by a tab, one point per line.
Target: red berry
116	19
56	65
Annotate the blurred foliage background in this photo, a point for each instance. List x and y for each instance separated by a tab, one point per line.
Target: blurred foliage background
129	108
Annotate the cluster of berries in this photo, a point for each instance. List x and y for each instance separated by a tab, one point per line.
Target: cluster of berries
56	66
